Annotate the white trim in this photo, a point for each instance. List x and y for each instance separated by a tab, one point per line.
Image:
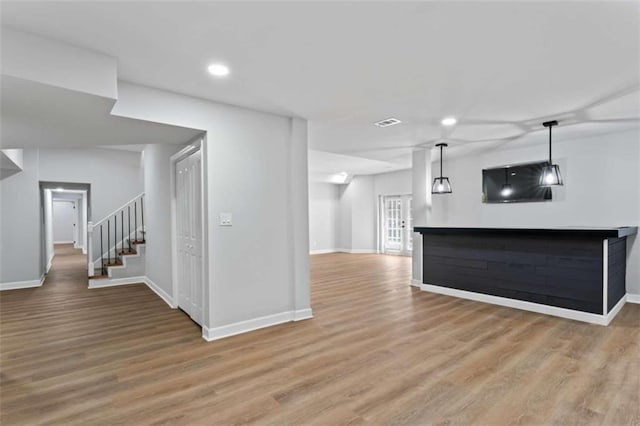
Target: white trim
416	283
210	334
323	251
527	306
357	251
50	262
633	298
102	283
15	285
302	314
111	282
64	242
160	292
196	144
605	276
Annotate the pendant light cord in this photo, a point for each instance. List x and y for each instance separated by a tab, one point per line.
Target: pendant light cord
441	146
550	162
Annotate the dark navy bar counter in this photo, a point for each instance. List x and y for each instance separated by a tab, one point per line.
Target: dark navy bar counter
576	273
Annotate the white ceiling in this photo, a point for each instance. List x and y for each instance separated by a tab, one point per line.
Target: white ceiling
500	67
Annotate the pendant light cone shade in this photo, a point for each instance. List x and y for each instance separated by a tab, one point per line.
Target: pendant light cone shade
551	175
441	185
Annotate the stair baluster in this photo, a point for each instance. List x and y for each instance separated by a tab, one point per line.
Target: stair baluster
144	239
115	238
129	225
102	269
120	248
135	217
122	231
108	241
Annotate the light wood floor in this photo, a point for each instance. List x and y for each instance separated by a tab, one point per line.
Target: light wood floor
376	352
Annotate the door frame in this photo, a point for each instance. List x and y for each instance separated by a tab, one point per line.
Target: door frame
406	234
197	144
45	222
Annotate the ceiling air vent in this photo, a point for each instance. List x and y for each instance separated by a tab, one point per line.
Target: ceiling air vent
387	122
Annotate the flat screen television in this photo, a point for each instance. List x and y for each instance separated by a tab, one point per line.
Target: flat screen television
518	183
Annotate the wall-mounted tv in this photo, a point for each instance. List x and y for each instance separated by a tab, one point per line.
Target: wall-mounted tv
518	183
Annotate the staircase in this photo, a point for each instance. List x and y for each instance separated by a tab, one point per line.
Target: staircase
116	246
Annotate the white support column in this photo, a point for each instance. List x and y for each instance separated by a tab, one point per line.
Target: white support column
421	205
299	219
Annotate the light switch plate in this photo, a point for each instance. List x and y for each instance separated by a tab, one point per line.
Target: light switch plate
226	219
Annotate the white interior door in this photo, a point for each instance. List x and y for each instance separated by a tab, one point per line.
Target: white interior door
397	224
64	221
189	235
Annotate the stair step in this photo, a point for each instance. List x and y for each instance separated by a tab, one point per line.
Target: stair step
116	262
127	252
138	242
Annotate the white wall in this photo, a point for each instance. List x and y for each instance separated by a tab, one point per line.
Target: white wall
157	176
63	221
357	208
256	168
115	177
602	188
20	246
393	183
323	217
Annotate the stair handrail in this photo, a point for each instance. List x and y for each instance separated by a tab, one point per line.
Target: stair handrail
137	197
93	225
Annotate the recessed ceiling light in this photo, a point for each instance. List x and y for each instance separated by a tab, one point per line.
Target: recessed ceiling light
449	121
219	70
388	122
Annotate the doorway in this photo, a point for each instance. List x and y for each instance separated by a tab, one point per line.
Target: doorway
397	237
187	213
65	211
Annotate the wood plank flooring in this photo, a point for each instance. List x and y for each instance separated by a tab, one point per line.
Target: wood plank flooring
377	352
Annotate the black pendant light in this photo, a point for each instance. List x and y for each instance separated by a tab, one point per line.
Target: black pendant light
506	190
550	173
441	185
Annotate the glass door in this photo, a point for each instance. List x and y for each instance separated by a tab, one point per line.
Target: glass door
397	225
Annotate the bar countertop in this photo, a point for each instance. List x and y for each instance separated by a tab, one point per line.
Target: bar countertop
579	232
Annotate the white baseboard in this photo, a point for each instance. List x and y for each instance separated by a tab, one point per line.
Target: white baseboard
323	251
302	314
16	285
357	251
160	292
63	242
416	283
528	306
633	298
210	334
111	282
